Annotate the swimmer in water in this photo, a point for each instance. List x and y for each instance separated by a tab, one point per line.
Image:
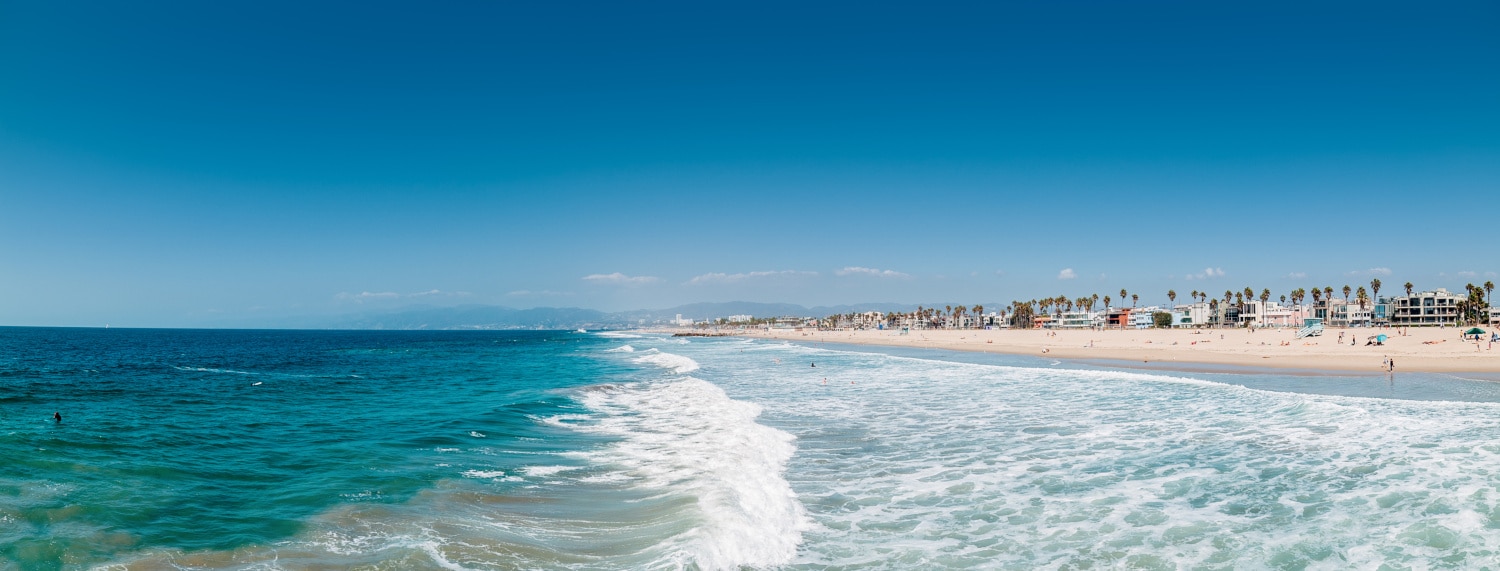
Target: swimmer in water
815	365
57	416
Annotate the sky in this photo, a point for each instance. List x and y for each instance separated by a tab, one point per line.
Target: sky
177	164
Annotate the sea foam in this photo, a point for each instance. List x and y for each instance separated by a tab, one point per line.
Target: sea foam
687	437
670	361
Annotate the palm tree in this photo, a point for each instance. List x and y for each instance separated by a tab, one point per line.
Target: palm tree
1346	293
1172	296
1408	289
1123	295
1328	293
1134	297
979	310
1362	297
1106	303
1375	288
1489	292
1283	299
1265	295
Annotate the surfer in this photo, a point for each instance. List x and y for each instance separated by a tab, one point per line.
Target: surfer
814	365
57	416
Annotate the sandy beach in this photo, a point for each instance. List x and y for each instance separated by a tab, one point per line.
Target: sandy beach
1413	350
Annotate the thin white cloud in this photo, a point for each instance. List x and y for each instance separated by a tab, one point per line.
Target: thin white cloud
542	293
861	271
1468	274
1067	274
620	279
439	293
723	278
1207	273
365	296
1297	275
1489	274
1370	272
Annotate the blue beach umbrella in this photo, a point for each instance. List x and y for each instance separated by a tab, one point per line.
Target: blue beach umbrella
1381	338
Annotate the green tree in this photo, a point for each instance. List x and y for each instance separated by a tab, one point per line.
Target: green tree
1134	298
1172	296
1408	289
1162	319
1346	293
1375	288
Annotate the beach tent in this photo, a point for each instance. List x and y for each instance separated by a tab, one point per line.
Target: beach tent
1474	331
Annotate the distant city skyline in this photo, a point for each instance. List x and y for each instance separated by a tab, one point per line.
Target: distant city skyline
180	164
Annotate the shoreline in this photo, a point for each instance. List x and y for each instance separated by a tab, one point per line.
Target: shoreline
1424	350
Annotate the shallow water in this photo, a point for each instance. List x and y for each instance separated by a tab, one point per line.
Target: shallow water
479	450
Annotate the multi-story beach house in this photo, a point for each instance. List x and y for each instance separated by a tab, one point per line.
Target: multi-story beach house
1191	315
1079	320
1143	317
1437	307
1270	314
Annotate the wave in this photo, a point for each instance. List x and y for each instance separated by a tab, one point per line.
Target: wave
621	349
674	362
687	437
617	335
212	370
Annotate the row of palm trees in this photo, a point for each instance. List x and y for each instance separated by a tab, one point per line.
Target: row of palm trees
1023	313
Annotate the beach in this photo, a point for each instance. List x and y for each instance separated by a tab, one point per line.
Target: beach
1433	350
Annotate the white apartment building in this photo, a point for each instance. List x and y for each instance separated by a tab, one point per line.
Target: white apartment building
1079	319
1191	315
1437	307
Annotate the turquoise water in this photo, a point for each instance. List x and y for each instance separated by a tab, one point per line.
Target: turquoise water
561	450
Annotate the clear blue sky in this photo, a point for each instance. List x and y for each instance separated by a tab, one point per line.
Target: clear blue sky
187	163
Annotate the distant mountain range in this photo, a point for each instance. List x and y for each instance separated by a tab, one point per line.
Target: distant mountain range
498	317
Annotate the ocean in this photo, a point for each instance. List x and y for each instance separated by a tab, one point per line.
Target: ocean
197	449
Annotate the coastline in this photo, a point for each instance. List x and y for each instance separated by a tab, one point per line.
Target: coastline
1423	350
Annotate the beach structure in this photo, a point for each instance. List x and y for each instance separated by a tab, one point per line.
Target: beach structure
1269	314
1191	315
1079	320
1311	327
1142	317
1436	307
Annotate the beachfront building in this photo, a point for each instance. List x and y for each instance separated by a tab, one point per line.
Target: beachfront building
1143	317
1269	314
1079	320
1340	313
1494	316
1437	307
1191	315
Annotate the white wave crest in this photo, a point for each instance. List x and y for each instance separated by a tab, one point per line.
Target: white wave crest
688	437
617	335
671	361
621	349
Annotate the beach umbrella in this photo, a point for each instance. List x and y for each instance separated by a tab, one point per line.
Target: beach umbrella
1381	338
1474	331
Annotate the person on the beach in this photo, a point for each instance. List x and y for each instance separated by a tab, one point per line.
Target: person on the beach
1391	366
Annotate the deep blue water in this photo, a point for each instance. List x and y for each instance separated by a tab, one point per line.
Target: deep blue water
215	440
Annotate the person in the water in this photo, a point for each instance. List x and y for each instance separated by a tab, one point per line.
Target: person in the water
57	416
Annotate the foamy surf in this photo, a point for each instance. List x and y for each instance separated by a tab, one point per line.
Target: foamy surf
686	437
670	361
621	349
